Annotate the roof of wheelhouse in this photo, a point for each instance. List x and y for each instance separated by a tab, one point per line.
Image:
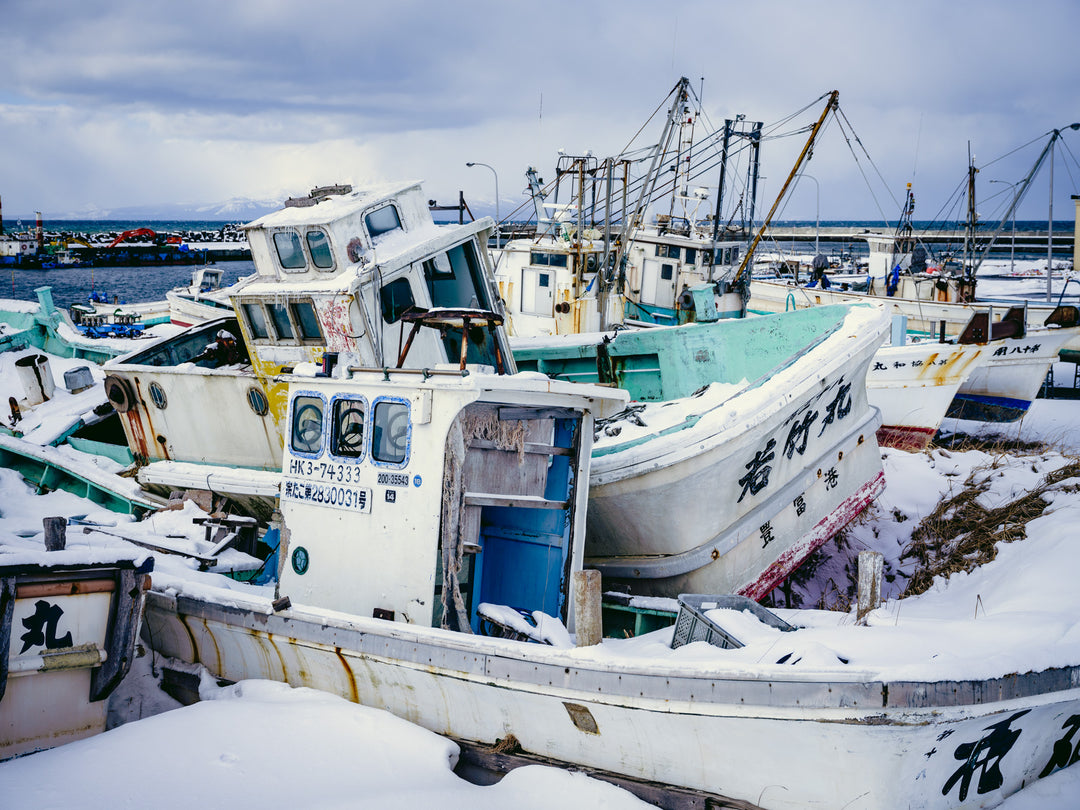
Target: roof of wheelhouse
331	203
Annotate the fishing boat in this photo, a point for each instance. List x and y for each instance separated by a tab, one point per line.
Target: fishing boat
914	385
595	261
336	272
69	623
204	299
421	507
753	445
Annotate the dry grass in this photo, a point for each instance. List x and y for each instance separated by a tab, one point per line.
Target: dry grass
961	534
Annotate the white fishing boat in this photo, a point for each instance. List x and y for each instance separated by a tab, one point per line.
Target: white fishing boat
595	262
410	499
753	445
69	622
336	272
1003	388
204	299
914	384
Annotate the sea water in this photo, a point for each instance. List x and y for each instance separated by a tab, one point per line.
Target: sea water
130	285
125	285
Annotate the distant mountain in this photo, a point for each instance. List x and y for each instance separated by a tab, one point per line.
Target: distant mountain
235	210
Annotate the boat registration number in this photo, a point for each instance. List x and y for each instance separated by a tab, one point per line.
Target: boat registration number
339	496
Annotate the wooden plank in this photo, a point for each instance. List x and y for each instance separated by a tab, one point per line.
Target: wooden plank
530	447
36	590
523	501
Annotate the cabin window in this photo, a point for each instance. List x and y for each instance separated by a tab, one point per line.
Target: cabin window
289	250
307	322
283	321
256	319
390	431
397	298
279	314
348	437
307	425
547	259
667	272
455	278
592	261
668	251
691	255
439	268
319	247
382	220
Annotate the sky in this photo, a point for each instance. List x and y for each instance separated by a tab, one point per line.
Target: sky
106	105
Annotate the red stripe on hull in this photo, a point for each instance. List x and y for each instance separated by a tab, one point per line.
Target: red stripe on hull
827	527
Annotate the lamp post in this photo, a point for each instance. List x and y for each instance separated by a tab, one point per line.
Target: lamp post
817	210
497	218
1012	247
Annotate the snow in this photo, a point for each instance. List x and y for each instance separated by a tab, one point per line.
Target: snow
264	744
1016	613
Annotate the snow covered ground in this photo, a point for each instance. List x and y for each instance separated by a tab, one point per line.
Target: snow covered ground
264	744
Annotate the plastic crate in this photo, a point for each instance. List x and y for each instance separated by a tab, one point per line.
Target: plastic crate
692	624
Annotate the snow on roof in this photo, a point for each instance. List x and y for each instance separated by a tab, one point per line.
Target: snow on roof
333	207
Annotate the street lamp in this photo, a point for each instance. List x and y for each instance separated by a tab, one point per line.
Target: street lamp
497	218
1012	247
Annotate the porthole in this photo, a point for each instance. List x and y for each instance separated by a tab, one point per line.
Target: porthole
157	394
257	400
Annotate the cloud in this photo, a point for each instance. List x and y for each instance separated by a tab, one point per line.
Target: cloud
116	103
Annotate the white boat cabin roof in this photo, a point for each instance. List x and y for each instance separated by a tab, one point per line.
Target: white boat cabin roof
314	239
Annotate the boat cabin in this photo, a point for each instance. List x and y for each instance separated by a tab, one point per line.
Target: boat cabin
337	271
671	260
419	496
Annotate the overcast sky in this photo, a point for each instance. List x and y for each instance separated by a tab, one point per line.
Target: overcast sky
111	104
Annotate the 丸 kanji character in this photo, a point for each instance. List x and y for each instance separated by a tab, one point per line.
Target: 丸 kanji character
838	408
41	628
1065	753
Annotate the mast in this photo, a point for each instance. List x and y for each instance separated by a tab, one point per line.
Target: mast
1021	190
904	237
1050	228
720	186
972	216
834	98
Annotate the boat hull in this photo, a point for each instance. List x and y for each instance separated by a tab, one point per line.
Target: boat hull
793	739
187	310
736	501
1004	387
67	638
913	385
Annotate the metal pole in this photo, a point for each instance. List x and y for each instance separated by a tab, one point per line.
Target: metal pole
834	98
1050	229
817	210
498	219
1012	247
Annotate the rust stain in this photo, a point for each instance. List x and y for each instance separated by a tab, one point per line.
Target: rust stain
354	695
957	365
337	326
